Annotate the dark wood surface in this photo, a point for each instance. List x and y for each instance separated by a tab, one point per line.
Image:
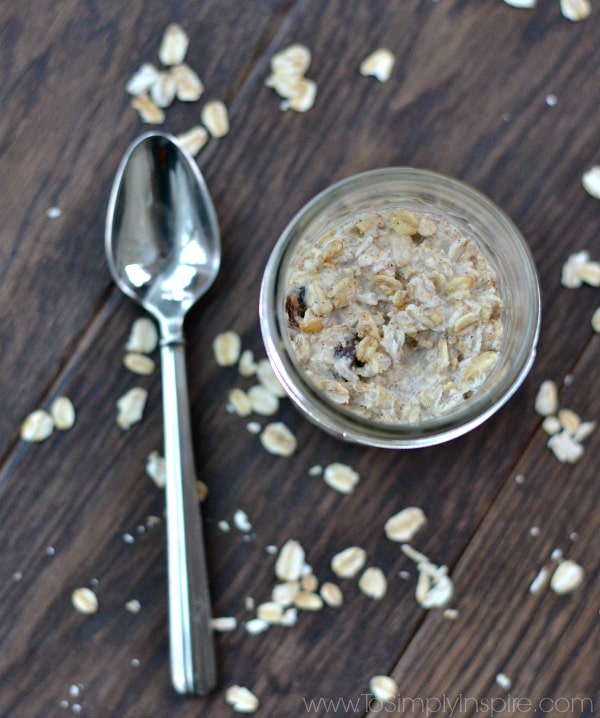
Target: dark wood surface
467	98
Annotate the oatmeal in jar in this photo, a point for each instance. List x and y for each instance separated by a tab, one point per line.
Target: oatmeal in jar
394	315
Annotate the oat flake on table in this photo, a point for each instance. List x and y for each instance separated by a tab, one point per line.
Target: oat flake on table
576	10
37	426
378	64
63	413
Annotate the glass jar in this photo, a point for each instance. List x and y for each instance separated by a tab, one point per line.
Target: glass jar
477	217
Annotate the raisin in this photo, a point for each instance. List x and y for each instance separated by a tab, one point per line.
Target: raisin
295	306
348	351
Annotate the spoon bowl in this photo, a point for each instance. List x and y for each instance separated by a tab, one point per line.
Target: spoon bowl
162	243
163	250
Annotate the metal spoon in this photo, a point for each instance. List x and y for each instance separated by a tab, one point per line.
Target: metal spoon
163	249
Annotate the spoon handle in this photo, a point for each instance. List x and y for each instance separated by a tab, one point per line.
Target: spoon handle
193	666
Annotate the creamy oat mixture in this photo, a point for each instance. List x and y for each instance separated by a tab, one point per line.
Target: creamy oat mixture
394	315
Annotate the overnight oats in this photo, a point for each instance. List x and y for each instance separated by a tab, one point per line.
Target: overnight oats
394	315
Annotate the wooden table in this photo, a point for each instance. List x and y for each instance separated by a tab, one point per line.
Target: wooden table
504	99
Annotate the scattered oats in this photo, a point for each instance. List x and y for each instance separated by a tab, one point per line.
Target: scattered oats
551	425
240	402
262	400
53	212
413	554
266	376
277	439
155	468
341	477
332	594
271	549
62	412
128	538
64	704
283	593
567	577
143	337
135	662
308	601
574	536
270	611
373	583
74	690
84	601
556	555
133	606
347	563
37	426
50	551
189	85
404	525
546	401
520	479
378	64
307	570
404	575
131	407
163	91
17	576
433	591
193	140
521	3
227	347
309	582
246	365
589	272
147	110
293	60
569	379
586	429
201	490
224	624
173	46
224	526
579	269
241	699
256	626
139	363
575	10
565	448
152	521
540	581
569	420
142	79
569	276
551	100
241	521
315	470
290	561
76	708
216	120
289	617
303	98
596	320
383	688
249	603
254	427
504	681
450	614
534	531
591	181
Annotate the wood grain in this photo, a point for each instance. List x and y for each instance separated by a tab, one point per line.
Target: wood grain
467	98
